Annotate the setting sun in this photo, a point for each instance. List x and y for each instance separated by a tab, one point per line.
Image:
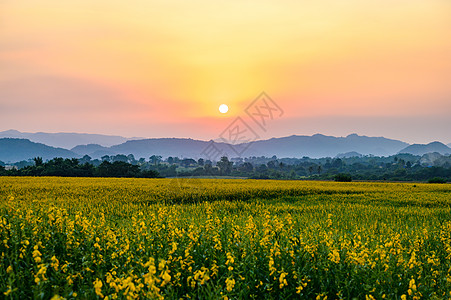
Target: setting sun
223	108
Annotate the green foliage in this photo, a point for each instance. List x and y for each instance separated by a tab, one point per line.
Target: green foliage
343	177
72	168
402	167
437	180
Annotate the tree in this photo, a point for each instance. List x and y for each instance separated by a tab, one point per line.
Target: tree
170	160
262	168
224	165
437	180
85	159
38	161
271	164
247	167
155	159
337	163
131	159
120	157
208	168
200	161
343	177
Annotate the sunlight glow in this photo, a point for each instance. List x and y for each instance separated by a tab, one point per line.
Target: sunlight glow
223	108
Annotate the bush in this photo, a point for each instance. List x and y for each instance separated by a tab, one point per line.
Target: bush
437	180
343	177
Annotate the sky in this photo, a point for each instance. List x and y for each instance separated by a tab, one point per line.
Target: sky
143	68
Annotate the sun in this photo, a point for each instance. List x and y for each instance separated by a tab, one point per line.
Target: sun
223	108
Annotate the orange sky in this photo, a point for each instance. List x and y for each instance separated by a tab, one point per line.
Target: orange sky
162	68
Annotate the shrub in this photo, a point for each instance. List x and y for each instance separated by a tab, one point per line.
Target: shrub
343	177
437	180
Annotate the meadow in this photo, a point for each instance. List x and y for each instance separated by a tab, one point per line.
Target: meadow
88	238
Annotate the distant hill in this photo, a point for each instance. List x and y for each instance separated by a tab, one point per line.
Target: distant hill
348	155
13	150
88	149
66	140
293	146
421	149
435	159
93	150
187	148
320	145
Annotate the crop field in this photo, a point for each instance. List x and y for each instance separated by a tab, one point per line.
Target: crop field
95	238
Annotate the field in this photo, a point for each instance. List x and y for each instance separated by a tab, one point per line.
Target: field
223	239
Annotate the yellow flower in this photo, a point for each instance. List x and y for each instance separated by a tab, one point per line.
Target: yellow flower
166	278
54	263
282	280
412	285
8	291
334	256
98	287
9	269
230	283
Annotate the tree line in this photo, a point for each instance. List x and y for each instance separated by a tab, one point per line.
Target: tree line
401	167
73	168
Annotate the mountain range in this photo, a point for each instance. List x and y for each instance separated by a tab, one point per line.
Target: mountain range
15	147
13	150
65	139
421	149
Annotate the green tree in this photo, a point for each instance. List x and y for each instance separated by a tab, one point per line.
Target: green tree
224	165
38	161
155	159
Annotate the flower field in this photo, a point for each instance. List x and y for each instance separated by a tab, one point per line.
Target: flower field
88	238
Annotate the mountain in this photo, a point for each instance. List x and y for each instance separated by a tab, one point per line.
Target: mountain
89	148
65	139
298	146
293	146
93	150
13	150
320	145
187	148
449	145
421	149
348	154
435	159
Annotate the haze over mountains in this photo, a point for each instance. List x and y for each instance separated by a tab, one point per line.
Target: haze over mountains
421	149
13	150
13	146
65	139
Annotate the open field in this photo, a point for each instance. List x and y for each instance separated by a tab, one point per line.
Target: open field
210	239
